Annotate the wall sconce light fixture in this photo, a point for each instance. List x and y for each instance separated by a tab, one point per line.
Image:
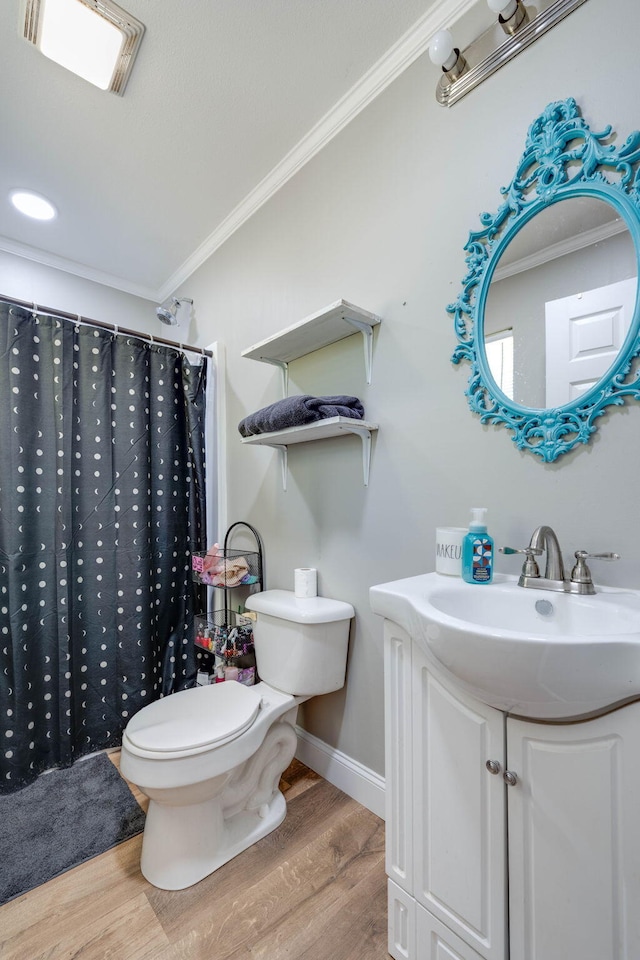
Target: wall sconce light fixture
522	24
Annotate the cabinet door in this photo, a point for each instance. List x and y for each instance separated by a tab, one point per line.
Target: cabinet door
398	756
574	840
459	814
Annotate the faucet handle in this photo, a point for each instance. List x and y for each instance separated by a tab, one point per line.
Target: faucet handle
581	573
530	567
583	555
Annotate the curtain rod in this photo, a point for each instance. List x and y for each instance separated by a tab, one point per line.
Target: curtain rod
30	305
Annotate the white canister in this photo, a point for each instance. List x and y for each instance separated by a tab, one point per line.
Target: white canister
449	550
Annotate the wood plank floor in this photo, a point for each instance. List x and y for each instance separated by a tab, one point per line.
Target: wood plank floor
314	889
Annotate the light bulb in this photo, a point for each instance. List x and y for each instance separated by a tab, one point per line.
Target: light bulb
442	50
505	8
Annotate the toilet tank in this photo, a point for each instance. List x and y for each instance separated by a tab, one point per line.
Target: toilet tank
301	644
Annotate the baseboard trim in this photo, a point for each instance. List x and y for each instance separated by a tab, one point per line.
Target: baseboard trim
354	779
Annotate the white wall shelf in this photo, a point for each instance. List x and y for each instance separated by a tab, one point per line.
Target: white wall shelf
333	323
320	430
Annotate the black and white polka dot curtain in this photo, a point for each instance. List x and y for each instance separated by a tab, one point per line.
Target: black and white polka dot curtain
102	497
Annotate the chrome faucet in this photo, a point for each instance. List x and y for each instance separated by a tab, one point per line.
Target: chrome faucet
544	540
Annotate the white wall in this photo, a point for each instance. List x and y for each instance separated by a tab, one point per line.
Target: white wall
48	287
380	218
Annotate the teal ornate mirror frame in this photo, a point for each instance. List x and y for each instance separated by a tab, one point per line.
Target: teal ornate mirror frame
563	159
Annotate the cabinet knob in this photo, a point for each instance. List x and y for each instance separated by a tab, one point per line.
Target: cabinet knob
493	766
510	778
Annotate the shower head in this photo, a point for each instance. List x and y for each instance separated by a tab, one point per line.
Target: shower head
169	314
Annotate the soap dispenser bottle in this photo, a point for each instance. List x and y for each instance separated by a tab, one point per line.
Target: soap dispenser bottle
477	549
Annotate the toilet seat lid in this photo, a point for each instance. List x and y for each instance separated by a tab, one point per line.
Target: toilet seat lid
195	718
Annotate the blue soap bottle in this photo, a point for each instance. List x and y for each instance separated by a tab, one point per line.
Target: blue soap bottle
477	549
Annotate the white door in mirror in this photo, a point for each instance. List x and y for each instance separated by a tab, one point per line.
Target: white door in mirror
584	334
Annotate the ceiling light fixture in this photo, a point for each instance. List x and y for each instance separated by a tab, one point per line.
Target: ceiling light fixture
33	205
95	39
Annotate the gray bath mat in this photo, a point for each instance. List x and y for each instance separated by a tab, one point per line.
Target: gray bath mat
62	819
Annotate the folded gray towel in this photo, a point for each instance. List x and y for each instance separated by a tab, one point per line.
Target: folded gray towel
296	411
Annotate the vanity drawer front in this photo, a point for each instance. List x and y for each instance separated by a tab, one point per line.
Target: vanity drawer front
401	910
436	942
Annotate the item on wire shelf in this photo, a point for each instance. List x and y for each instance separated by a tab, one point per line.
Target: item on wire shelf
223	634
231	573
211	563
225	568
298	411
218	634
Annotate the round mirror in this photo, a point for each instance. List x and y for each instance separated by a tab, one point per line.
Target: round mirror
546	315
560	303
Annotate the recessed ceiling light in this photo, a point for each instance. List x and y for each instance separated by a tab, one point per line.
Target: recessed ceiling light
96	39
32	205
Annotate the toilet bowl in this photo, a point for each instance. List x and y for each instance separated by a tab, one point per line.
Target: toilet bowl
210	758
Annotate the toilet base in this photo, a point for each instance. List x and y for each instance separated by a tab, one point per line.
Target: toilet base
192	830
181	845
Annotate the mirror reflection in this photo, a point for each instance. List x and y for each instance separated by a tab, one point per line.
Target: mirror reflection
560	303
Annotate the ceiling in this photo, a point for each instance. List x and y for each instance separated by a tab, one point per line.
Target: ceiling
227	99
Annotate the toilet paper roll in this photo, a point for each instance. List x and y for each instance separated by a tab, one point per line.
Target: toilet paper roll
305	582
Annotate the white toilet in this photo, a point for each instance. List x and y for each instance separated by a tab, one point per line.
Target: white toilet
210	758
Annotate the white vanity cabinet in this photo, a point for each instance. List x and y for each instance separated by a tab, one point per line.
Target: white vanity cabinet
545	869
445	814
574	838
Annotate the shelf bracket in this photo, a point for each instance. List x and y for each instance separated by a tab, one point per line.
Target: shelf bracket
284	368
283	450
367	333
365	437
362	432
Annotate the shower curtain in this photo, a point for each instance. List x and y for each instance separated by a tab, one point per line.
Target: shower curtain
102	498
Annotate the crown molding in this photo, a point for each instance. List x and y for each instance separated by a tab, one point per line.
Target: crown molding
561	249
395	61
77	269
391	65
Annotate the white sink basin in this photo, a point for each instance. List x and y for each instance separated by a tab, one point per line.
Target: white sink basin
531	653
